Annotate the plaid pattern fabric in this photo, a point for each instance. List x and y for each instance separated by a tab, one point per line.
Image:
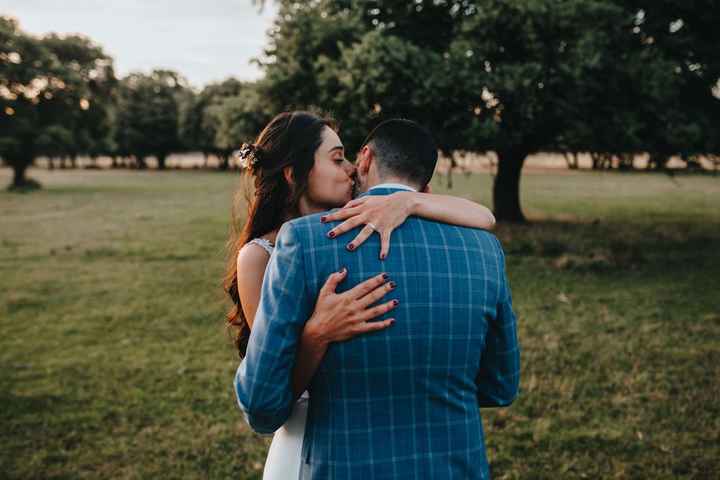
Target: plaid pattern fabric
402	402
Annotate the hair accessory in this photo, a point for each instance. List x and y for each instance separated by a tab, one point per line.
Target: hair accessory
248	155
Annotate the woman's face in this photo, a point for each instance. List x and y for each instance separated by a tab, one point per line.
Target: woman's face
330	182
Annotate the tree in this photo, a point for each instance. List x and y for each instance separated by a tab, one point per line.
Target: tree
86	101
148	115
305	36
198	127
236	120
512	76
47	86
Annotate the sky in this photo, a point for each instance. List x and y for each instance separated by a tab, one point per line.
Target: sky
205	41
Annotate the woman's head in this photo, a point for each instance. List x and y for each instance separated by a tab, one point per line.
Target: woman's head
330	182
298	168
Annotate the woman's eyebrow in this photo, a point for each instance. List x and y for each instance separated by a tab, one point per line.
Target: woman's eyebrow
337	147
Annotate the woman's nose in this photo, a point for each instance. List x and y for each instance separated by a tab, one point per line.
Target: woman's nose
350	169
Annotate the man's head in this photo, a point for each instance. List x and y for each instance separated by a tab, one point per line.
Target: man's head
398	151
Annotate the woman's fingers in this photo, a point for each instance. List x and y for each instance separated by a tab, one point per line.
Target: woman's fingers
342	214
333	281
346	226
361	237
362	289
378	310
376	294
355	202
366	327
385	244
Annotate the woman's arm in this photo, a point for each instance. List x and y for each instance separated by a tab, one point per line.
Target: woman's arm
384	213
336	317
449	209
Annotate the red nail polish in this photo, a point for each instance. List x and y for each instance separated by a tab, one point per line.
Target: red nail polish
351	247
382	256
395	302
385	276
323	218
331	234
393	285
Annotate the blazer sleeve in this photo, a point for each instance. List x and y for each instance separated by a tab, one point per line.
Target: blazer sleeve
263	383
498	378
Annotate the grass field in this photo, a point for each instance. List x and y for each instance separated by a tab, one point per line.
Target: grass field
114	362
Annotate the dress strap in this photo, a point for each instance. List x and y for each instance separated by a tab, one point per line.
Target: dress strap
265	244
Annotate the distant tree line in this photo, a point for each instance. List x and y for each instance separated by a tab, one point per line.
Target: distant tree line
609	78
60	99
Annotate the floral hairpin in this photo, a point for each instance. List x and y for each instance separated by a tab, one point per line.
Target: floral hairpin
247	155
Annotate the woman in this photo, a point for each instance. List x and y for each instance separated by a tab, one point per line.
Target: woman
299	168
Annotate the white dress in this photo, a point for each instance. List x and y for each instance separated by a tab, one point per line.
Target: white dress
285	455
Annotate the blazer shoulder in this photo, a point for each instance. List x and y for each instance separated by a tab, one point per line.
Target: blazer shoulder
478	233
302	226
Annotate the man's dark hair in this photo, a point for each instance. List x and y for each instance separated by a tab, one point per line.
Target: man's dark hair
404	149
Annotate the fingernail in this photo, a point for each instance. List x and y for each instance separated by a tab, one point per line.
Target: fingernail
395	302
351	247
382	256
331	234
323	218
385	276
342	270
393	285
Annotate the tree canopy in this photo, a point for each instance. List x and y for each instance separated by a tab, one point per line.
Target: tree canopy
510	76
54	95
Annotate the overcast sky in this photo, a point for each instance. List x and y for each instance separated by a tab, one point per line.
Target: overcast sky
205	40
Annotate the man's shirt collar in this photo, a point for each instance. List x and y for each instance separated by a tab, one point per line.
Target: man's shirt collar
398	186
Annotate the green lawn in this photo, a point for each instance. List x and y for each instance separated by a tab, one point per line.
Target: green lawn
115	363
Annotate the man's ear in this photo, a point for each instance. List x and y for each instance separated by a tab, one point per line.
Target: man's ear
288	174
365	158
427	189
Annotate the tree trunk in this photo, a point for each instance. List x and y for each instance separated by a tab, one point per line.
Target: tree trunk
141	165
506	188
657	161
452	165
224	161
20	180
19	169
626	161
161	161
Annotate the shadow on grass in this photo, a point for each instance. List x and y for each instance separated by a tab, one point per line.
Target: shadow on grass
15	406
610	247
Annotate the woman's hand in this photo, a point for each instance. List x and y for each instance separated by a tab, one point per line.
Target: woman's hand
384	213
379	213
341	316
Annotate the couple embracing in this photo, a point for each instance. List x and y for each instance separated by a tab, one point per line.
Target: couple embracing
368	356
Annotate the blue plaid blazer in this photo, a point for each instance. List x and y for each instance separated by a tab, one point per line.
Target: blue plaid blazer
402	402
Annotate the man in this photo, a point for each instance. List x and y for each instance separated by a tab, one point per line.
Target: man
401	402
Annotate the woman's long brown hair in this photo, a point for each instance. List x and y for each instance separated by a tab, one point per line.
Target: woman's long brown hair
290	139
